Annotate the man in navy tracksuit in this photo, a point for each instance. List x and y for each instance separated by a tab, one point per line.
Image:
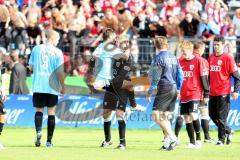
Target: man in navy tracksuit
166	77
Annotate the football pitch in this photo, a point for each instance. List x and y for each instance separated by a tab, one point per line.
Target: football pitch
83	144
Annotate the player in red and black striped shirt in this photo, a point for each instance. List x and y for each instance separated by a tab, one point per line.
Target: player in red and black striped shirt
195	84
222	68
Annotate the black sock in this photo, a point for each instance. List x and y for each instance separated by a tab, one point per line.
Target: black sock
196	125
122	130
38	121
1	127
107	131
132	99
51	127
205	127
178	125
190	131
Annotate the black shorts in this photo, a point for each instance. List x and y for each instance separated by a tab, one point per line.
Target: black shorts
115	99
165	101
41	100
189	107
2	107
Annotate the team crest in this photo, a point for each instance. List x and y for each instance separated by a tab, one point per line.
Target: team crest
191	67
219	62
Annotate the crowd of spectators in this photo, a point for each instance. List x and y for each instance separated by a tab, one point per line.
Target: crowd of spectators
80	23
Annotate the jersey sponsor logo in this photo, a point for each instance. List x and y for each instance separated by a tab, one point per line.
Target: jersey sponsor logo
188	73
214	68
171	60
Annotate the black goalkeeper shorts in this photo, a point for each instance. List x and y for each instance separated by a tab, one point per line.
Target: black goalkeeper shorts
41	100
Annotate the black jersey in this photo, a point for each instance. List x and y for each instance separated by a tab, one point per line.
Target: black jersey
122	68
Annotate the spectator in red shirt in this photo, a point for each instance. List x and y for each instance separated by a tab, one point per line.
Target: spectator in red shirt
217	13
46	19
172	6
110	4
222	68
87	8
135	6
193	7
151	14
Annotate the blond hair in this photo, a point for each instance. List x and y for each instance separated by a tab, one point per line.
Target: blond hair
52	35
160	42
186	45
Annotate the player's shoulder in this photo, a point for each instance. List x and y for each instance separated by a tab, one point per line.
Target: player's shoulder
228	56
37	47
58	52
181	60
200	59
212	56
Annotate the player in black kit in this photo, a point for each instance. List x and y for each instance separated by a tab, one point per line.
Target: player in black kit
121	91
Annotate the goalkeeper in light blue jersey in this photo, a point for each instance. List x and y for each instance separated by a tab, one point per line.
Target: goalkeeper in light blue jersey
104	55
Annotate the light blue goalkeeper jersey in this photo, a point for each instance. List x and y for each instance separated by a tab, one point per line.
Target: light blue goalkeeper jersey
46	60
104	55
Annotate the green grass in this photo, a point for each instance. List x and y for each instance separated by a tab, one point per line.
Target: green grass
83	144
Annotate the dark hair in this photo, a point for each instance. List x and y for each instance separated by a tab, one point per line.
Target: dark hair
107	33
219	39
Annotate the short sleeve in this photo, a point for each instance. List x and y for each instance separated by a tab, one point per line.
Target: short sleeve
203	67
232	67
31	59
96	52
60	61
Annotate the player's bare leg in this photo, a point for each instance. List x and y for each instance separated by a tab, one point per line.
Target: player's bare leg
161	118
